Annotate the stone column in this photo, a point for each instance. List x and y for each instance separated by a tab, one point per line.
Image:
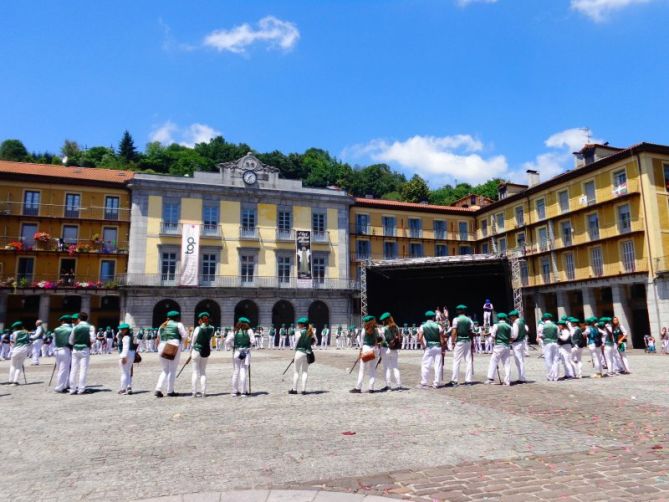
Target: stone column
589	302
621	309
539	306
44	306
3	310
562	303
86	304
657	301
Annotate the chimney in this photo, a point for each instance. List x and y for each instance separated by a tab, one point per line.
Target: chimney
532	178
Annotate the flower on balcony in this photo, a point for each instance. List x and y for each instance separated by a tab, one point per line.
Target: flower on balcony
71	249
88	284
83	248
42	237
44	285
16	246
10	282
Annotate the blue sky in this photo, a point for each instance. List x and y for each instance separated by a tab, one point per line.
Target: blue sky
451	89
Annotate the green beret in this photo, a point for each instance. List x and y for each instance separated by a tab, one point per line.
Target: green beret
65	317
173	313
303	320
592	319
384	316
605	319
601	324
574	320
512	313
202	314
368	318
562	322
74	316
243	320
351	326
123	325
17	324
564	318
430	313
547	316
501	316
461	307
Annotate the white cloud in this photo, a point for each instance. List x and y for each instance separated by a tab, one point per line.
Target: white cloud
465	3
598	10
437	159
270	30
169	133
560	158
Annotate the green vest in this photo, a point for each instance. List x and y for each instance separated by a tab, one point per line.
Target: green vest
203	338
431	334
577	337
369	339
325	332
550	332
170	332
282	332
133	346
608	341
242	340
522	332
21	338
463	328
304	341
82	336
389	335
62	335
503	334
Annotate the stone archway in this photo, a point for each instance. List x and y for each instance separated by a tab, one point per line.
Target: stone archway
319	316
283	312
248	309
214	310
161	309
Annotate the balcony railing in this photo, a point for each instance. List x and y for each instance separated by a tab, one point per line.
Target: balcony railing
362	229
230	281
320	236
249	233
170	228
8	208
54	244
285	234
210	230
59	281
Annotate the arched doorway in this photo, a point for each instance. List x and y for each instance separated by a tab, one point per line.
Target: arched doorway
248	309
319	316
283	312
161	309
214	312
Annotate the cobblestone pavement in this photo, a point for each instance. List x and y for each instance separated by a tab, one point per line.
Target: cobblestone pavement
574	440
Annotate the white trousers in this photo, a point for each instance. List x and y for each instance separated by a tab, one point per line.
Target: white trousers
551	360
596	355
576	355
487	314
240	372
79	370
431	359
391	367
565	359
488	343
110	345
4	351
624	361
63	361
126	370
37	350
610	356
324	341
368	368
500	353
463	351
282	342
300	370
19	355
518	349
169	373
199	372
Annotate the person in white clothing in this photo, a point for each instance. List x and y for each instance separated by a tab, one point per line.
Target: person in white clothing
487	312
392	341
461	336
127	348
20	341
501	333
548	334
564	348
240	341
368	355
200	351
620	337
63	351
306	337
81	340
325	337
37	338
431	338
171	335
519	333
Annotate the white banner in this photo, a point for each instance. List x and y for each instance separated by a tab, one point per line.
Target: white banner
190	254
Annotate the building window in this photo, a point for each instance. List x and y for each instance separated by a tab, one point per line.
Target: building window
208	267
546	270
441	250
107	270
485	249
31	203
171	213
464	250
569	266
362	224
589	188
629	259
109	239
596	261
624	219
484	228
28	234
72	205
620	182
501	245
439	229
520	240
463	230
389	250
566	233
210	219
70	234
168	266
319	266
362	250
112	204
666	177
388	223
499	217
283	268
248	263
563	201
593	226
416	250
542	238
284	222
249	222
67	268
520	216
524	273
415	228
540	205
25	270
319	224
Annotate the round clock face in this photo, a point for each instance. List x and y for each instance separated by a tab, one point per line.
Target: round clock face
249	177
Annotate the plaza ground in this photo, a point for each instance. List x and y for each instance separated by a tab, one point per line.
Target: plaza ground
575	440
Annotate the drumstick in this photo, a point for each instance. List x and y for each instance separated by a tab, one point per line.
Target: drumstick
185	364
52	372
356	362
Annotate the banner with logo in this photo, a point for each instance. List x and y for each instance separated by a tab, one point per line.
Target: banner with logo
303	250
190	253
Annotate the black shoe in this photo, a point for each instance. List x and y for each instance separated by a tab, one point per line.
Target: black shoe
129	391
172	394
355	391
372	391
304	392
238	394
158	393
291	391
386	388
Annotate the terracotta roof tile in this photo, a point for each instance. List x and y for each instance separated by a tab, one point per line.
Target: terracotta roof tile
65	172
411	206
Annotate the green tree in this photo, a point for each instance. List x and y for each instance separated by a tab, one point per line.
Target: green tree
126	149
376	180
322	169
70	149
415	190
13	149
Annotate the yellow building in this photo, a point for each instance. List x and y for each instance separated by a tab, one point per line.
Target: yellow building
594	240
238	242
63	241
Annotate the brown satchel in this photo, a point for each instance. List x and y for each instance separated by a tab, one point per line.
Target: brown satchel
138	358
396	342
170	351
